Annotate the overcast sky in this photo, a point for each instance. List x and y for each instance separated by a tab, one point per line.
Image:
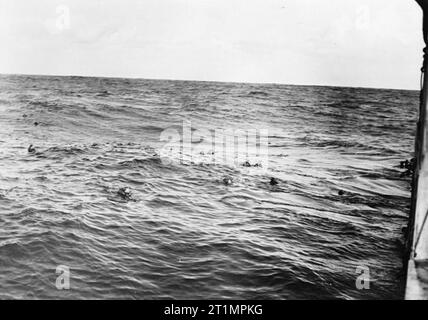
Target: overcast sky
328	42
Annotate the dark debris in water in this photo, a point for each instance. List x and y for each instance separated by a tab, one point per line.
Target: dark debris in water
258	93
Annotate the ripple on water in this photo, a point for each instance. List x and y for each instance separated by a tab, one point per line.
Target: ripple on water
188	235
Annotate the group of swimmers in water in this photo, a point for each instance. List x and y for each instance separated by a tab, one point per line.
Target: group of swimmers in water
409	165
228	181
126	194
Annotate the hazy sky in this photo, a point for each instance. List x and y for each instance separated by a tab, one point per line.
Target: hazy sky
331	42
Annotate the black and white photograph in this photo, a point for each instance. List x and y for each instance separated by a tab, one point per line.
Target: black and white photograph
213	150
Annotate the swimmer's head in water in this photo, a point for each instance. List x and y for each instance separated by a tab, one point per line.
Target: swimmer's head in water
124	193
31	149
227	181
273	182
247	164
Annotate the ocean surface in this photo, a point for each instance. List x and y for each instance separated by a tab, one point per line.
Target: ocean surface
178	230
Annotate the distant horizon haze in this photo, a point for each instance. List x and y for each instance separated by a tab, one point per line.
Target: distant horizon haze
369	44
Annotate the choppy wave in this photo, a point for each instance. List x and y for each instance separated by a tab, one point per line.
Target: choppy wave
178	231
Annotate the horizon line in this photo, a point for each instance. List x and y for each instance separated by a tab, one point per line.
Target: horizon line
214	81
